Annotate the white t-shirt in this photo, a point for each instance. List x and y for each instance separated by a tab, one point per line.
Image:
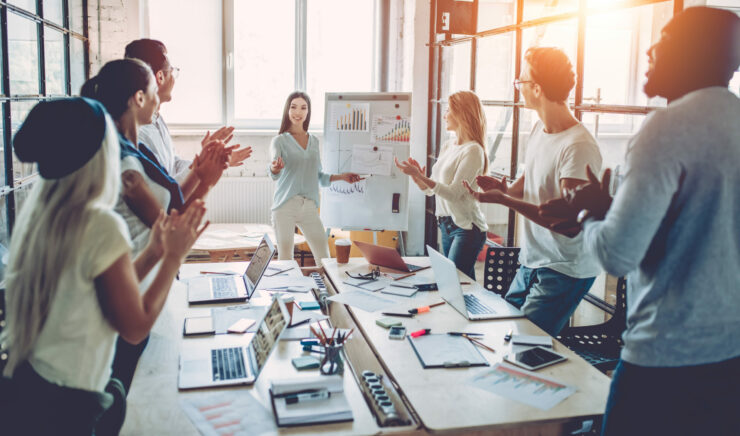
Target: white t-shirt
156	136
138	230
455	164
550	158
76	345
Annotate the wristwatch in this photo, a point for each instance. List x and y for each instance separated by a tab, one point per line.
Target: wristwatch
583	215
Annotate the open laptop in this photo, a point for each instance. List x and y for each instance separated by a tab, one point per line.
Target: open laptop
227	366
476	305
231	288
385	256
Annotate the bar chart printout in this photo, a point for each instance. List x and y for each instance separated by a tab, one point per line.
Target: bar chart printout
350	117
524	386
391	129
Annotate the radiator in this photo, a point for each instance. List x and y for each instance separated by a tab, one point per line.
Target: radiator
240	200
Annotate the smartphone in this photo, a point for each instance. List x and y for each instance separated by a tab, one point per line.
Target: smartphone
427	287
397	332
535	358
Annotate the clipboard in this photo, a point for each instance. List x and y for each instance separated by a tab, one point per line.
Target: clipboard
446	351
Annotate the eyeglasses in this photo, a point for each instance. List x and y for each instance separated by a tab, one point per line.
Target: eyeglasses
518	83
373	275
175	72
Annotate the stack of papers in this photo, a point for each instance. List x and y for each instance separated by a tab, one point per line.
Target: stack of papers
287	283
309	400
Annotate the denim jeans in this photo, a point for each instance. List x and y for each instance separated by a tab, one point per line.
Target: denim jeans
677	401
461	246
548	298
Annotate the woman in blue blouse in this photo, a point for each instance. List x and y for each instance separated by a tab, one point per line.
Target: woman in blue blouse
296	166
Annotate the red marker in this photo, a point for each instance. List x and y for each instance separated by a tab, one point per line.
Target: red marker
421	332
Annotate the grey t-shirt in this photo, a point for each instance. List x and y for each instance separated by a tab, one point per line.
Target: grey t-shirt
674	229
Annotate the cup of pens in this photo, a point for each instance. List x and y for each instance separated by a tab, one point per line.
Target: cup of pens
332	362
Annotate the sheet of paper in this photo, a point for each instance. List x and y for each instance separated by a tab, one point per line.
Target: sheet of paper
364	300
524	386
349	117
391	128
287	283
235	413
366	285
395	290
375	160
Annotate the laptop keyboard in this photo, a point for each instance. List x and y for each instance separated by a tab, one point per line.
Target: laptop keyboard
475	306
228	364
223	287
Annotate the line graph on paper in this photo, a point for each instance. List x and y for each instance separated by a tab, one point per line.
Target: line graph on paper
342	190
523	386
388	129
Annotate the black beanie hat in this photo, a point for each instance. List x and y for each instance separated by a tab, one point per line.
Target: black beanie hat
61	135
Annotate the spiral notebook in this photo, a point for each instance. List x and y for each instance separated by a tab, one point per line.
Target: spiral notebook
290	409
446	351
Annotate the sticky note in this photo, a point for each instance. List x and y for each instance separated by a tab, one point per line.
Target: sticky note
241	326
305	362
309	305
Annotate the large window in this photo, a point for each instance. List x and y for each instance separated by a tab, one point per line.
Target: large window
240	59
44	56
606	42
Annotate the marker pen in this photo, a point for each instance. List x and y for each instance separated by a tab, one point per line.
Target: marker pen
307	396
421	332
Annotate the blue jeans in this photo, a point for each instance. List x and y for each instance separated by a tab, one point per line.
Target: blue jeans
461	246
548	298
677	401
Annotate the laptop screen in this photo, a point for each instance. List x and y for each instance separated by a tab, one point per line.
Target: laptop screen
260	259
267	334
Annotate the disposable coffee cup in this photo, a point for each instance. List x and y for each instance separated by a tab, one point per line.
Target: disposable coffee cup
343	247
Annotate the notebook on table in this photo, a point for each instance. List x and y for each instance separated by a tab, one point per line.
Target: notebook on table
309	400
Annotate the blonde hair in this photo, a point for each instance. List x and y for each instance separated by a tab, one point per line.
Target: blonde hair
45	240
468	111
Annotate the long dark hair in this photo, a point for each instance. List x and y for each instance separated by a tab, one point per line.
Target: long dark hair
285	124
116	82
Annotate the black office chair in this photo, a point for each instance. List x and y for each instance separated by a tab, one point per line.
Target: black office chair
501	266
600	344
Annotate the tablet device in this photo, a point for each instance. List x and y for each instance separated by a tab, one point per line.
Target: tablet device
535	358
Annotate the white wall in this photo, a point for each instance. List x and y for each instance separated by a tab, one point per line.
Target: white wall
113	24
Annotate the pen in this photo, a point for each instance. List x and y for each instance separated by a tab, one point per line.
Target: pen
507	338
404	276
223	273
405	315
404	286
479	343
464	334
425	308
308	396
421	332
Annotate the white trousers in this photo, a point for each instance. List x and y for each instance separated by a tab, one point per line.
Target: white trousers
302	212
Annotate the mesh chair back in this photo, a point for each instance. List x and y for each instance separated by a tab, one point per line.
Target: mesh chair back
501	266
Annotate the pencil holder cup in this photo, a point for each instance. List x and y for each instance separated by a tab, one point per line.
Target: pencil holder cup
332	362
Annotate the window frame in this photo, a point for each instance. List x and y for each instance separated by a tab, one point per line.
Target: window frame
12	184
439	73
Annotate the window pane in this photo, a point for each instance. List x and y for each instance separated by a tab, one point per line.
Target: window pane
457	63
29	5
496	13
2	146
613	132
545	8
562	34
53	11
75	16
54	58
615	53
498	137
735	84
23	55
264	53
18	112
339	50
4	239
495	68
77	66
193	36
21	194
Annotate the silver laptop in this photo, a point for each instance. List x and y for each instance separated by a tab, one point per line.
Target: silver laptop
230	288
476	305
240	365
